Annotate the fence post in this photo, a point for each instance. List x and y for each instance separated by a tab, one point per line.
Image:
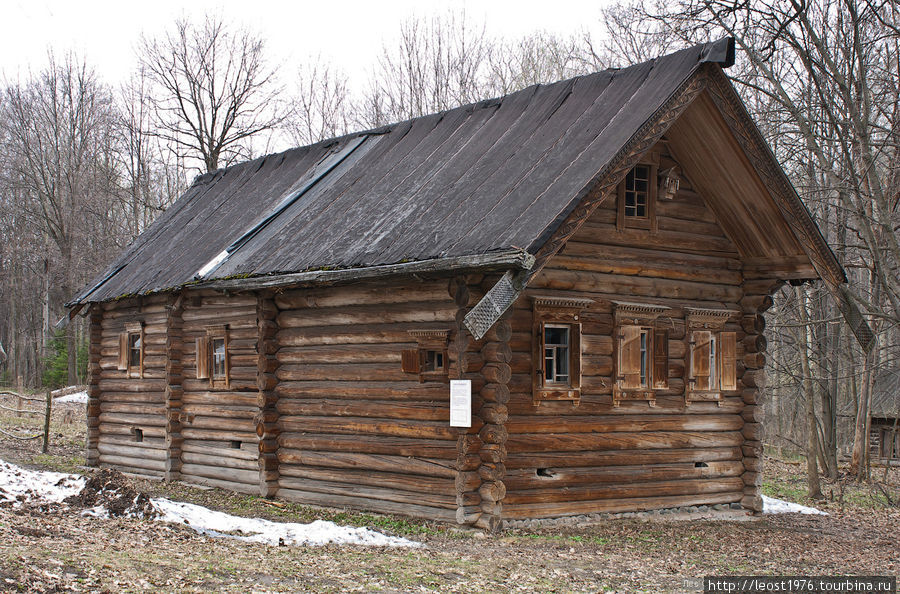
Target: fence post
47	424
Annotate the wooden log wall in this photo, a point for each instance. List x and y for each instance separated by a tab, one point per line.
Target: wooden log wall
267	415
95	331
174	391
218	424
353	429
132	409
757	299
565	458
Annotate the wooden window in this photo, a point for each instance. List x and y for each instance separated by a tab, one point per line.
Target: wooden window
557	348
712	356
212	357
890	443
131	350
642	352
637	198
429	360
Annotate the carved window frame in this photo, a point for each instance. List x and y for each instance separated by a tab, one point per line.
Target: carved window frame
711	348
640	320
557	312
432	346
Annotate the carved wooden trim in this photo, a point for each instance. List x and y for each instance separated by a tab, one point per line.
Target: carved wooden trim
607	179
714	319
554	302
637	313
429	335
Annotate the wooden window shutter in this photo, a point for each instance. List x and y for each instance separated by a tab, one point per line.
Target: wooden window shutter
630	357
575	356
123	351
410	360
728	358
202	358
661	359
700	344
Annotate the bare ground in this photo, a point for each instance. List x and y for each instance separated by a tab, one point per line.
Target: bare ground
45	549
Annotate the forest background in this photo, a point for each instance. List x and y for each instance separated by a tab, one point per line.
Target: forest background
86	166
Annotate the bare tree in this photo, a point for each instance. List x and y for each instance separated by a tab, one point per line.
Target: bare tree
213	90
323	108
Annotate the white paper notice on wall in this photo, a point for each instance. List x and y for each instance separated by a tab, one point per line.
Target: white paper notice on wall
460	403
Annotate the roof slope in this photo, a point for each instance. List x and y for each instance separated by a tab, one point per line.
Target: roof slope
496	175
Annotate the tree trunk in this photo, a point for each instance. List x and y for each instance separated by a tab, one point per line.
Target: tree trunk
812	471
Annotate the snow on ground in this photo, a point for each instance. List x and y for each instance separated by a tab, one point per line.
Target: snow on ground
19	485
80	397
214	523
777	506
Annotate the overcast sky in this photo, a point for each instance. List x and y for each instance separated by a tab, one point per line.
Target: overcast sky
349	33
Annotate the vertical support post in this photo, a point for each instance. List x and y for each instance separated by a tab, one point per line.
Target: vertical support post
95	330
174	388
267	418
46	445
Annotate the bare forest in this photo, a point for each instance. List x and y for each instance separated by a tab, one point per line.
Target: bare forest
86	166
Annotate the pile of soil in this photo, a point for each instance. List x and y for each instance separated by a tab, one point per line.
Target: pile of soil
110	489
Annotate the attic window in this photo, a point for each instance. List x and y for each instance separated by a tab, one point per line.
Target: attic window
637	198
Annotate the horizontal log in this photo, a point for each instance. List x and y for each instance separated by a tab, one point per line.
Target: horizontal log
681	241
358	390
563	478
550	442
369	462
626	423
220	423
250	488
344	372
206	398
373	493
132	464
135	397
432	312
296	492
410	483
136	420
220	473
370	294
637	286
423	410
203	434
188	457
642	489
219	449
342	353
225	410
364	427
633	504
134	450
400	446
648	269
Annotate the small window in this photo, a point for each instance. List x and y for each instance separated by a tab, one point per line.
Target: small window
429	359
637	198
712	356
642	352
131	350
212	357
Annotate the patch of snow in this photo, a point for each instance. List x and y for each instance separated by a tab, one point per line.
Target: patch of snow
79	397
777	506
218	524
19	484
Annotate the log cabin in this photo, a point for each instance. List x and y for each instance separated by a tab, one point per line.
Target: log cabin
884	418
586	262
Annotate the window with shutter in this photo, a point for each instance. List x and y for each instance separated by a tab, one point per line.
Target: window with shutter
642	352
712	355
213	362
557	348
431	359
131	349
637	194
